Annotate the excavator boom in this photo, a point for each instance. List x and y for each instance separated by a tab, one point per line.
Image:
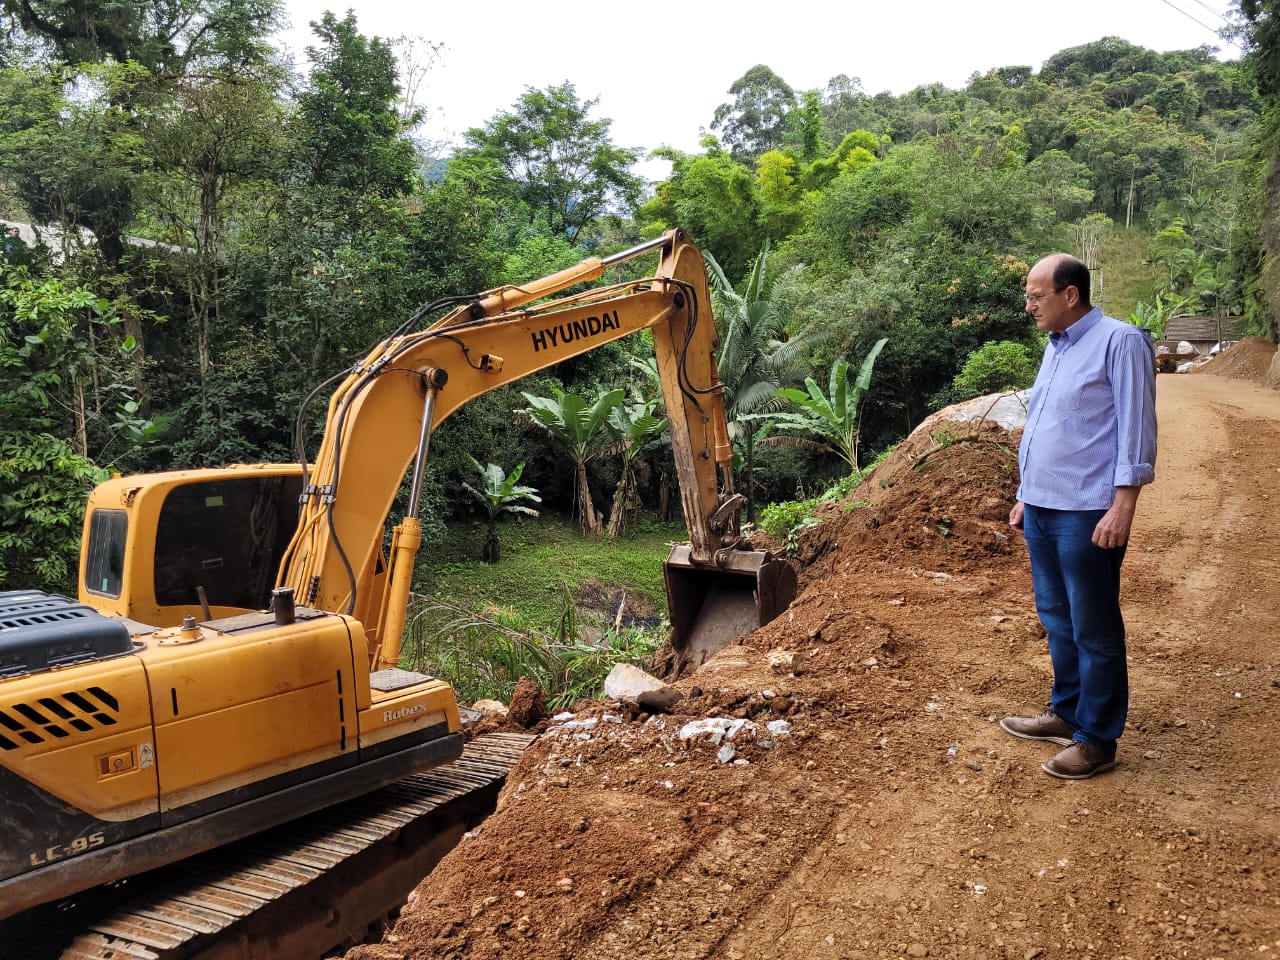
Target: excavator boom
233	660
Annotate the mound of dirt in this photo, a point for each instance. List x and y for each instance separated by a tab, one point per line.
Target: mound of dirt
1248	359
943	496
862	801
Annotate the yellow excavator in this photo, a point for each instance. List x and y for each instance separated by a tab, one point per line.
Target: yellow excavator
232	659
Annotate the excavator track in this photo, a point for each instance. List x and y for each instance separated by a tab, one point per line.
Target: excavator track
299	891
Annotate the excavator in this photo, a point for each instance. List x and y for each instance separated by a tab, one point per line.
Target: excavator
231	661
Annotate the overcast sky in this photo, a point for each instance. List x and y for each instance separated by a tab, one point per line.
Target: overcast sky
660	70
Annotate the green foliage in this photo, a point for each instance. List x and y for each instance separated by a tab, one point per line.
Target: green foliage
756	355
65	365
349	128
1153	316
787	519
756	120
499	494
996	367
577	427
482	627
43	486
634	428
484	658
835	416
559	162
166	39
713	197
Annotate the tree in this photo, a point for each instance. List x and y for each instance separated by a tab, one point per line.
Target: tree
166	39
1258	251
560	162
804	127
756	356
835	417
500	493
577	427
118	60
351	136
713	197
218	140
73	156
64	401
635	428
756	119
845	107
780	195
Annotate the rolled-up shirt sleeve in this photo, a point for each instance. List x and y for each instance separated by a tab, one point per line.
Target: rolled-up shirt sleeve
1133	383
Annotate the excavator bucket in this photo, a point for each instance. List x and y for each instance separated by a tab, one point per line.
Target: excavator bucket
711	606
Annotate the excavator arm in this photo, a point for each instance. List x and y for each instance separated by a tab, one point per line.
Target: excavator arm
167	714
380	420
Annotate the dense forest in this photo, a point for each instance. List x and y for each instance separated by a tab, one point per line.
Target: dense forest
220	233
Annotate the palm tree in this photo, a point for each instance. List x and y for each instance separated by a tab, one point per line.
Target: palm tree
635	428
499	493
836	417
756	356
578	428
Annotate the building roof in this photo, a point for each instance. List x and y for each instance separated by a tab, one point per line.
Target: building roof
1201	329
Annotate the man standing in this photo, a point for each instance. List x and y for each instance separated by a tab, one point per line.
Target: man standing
1088	448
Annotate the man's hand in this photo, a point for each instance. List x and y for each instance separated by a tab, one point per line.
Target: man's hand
1112	530
1015	516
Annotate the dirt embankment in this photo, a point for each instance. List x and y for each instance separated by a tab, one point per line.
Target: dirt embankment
869	805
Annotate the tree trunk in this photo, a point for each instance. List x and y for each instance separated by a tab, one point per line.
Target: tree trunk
491	552
587	509
617	513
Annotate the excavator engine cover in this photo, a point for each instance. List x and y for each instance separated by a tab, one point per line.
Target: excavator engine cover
711	606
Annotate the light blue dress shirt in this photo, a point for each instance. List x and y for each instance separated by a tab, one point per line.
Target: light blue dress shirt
1091	423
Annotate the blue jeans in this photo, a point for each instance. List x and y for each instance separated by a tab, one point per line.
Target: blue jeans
1077	587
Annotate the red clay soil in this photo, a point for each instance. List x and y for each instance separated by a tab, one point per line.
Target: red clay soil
1248	359
887	814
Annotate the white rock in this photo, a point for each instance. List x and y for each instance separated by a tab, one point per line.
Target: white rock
1008	410
716	729
490	708
626	682
779	728
785	661
726	753
711	727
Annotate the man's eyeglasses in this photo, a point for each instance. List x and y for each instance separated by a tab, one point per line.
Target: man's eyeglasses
1035	298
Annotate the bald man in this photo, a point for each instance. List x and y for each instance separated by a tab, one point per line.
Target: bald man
1088	448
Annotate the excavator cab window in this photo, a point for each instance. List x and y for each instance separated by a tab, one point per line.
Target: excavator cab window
105	556
225	536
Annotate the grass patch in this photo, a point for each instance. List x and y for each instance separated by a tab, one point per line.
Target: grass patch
540	558
545	611
1127	281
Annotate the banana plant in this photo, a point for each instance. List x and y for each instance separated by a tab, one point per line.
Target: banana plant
835	416
635	428
577	427
500	493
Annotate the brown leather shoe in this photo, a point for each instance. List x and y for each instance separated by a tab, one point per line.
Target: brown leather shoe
1080	761
1048	726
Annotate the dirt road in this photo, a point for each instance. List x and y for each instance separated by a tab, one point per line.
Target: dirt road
894	817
